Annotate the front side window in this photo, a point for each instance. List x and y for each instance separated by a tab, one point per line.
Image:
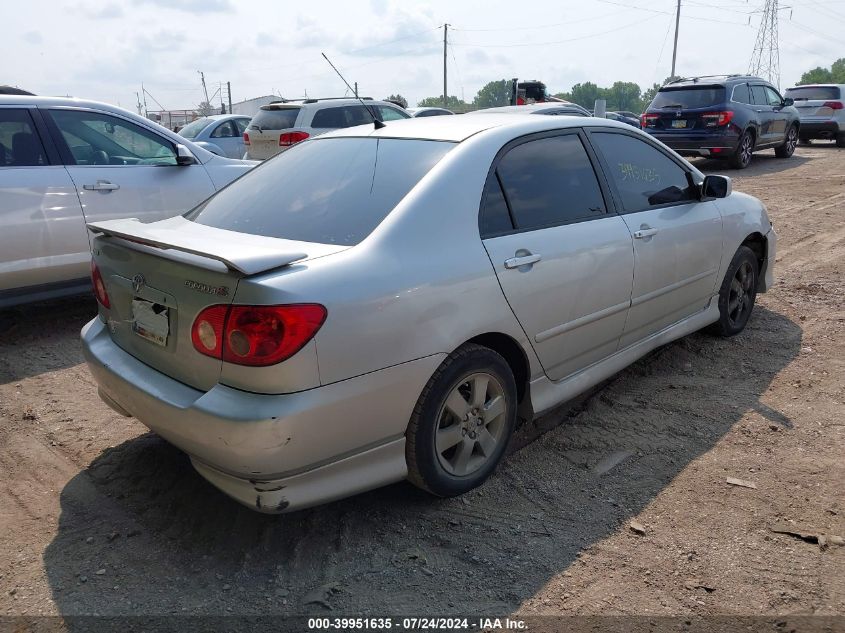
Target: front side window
759	96
100	139
386	113
550	181
331	191
773	97
644	176
20	145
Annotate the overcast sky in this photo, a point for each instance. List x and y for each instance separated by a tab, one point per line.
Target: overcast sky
104	50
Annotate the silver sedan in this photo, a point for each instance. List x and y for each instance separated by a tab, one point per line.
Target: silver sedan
380	304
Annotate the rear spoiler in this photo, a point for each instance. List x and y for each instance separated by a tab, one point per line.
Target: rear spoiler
245	253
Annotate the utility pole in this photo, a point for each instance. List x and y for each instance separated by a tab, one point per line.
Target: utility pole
356	89
138	99
445	91
229	93
675	49
205	90
144	94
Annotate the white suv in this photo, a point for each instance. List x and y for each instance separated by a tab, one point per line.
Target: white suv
821	108
281	124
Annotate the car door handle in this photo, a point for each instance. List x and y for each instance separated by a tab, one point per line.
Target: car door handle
101	185
522	260
645	232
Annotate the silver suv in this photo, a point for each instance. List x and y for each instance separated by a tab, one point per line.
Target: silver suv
822	111
281	124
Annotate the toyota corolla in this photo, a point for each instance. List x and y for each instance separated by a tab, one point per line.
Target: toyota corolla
376	305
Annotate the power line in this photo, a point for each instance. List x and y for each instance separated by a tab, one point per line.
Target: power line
572	39
691	17
538	26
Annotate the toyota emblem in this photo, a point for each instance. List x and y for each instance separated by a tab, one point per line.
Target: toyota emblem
138	282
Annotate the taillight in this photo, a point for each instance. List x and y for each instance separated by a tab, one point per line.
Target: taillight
717	119
649	120
246	138
99	286
207	331
256	335
833	105
292	138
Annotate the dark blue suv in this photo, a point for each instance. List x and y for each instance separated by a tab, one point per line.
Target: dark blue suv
723	116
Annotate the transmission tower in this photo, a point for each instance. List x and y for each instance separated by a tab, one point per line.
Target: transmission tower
765	60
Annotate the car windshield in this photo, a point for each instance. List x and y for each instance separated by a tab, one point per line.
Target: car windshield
689	98
331	191
194	128
274	119
813	93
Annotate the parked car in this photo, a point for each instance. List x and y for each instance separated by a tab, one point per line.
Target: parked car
281	125
423	112
549	108
821	108
65	162
724	116
618	116
221	134
378	304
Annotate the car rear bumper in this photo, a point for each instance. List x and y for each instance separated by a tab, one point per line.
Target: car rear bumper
699	144
820	129
274	453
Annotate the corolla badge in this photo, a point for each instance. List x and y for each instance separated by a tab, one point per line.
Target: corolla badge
138	282
220	291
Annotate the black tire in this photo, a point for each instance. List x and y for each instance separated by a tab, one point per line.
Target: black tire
427	464
840	139
737	293
744	148
788	148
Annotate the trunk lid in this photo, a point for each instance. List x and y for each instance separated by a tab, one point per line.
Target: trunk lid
160	276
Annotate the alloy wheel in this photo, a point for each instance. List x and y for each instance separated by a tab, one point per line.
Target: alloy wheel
741	297
745	149
471	424
791	140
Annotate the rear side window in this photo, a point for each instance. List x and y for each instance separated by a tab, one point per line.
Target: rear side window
550	181
644	176
495	217
194	127
741	94
814	93
331	191
343	116
275	119
20	145
689	98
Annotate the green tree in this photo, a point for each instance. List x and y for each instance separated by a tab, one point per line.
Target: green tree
838	71
452	103
624	95
585	94
818	75
648	95
399	99
494	94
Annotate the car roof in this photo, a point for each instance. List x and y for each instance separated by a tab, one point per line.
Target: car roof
817	86
459	128
711	80
530	108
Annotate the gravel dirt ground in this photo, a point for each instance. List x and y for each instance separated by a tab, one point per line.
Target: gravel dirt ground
97	516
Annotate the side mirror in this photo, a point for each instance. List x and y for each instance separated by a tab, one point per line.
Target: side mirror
715	187
788	101
184	155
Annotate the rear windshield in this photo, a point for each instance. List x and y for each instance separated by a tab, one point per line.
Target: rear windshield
194	128
689	98
813	93
276	119
331	191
